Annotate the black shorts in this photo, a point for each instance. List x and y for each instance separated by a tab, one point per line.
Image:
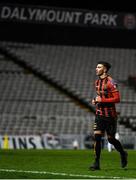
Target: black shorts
106	124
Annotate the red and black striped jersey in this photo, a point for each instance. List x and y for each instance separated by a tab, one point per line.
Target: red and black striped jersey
107	89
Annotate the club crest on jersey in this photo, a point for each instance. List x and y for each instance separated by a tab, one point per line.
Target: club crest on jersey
114	83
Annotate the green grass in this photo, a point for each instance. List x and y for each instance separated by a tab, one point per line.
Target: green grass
62	164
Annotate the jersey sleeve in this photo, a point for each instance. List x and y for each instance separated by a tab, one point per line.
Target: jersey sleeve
113	92
114	99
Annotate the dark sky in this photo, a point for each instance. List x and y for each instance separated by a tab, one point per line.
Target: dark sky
119	6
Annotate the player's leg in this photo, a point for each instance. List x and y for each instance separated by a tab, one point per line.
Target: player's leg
97	143
118	146
111	130
97	151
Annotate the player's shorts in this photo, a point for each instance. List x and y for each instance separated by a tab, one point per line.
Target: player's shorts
105	124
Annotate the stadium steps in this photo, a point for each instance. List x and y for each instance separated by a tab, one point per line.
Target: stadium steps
125	108
45	77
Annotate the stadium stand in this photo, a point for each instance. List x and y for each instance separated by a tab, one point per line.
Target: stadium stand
31	105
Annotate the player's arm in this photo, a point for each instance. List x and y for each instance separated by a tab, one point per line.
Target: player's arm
114	99
93	101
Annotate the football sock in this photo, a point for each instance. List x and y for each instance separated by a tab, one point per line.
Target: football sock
97	146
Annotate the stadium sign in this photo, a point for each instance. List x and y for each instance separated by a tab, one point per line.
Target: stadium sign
66	16
44	141
20	142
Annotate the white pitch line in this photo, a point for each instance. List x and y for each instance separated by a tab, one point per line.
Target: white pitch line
61	174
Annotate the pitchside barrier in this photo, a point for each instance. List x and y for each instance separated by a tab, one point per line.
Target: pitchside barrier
62	141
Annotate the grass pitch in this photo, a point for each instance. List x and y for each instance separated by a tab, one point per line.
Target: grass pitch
63	164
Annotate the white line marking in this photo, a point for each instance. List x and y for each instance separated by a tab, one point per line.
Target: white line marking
61	174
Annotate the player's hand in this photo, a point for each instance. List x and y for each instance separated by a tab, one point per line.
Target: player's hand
98	99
